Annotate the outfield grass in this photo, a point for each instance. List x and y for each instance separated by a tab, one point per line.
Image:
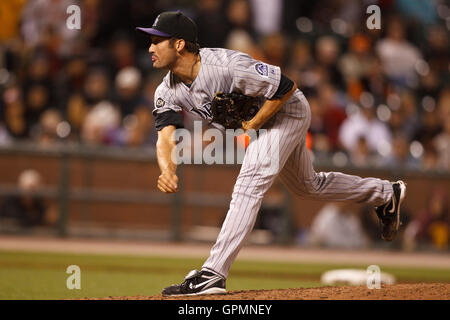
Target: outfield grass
31	275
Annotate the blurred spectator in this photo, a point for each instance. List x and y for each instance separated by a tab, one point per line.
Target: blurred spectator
399	57
300	64
301	58
327	53
444	103
122	53
91	10
77	109
128	90
96	87
267	16
361	156
430	158
274	47
363	123
374	81
437	48
5	138
212	23
27	209
400	155
14	113
240	40
405	120
72	79
38	69
9	23
148	90
349	13
431	227
336	226
409	109
430	87
101	124
37	101
356	62
423	11
47	131
333	113
429	127
143	112
321	144
139	128
44	18
442	145
39	93
239	16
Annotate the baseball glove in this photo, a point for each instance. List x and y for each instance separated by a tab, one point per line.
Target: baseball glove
230	109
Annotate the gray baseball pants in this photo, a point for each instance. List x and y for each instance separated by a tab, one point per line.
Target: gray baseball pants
282	151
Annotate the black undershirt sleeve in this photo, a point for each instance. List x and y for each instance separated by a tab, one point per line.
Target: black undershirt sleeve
284	87
168	118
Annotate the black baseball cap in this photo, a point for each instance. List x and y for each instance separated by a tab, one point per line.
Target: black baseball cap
173	24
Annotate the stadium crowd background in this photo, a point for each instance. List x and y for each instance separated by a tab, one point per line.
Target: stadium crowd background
379	98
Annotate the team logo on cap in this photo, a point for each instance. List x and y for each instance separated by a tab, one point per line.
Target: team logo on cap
160	103
262	69
156	21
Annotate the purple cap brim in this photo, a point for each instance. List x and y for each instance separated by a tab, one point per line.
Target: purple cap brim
153	32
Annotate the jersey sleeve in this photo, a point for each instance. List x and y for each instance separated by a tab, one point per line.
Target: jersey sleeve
254	78
163	100
165	111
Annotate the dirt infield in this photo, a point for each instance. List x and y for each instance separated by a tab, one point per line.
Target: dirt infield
416	291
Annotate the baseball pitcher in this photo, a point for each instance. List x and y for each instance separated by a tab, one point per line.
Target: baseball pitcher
223	87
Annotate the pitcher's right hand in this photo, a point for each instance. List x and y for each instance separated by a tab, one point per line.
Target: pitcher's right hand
168	182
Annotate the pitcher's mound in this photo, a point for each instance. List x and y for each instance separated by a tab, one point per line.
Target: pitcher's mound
415	291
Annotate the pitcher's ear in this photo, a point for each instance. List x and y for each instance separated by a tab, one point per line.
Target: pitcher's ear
180	44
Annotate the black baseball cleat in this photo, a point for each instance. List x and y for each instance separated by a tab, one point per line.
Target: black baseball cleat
389	213
197	283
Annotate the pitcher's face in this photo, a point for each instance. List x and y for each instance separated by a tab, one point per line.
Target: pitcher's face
163	54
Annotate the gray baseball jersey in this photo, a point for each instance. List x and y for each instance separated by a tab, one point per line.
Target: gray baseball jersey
227	71
221	70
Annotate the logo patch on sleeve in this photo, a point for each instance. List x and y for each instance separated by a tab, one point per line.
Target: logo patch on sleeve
160	103
262	69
